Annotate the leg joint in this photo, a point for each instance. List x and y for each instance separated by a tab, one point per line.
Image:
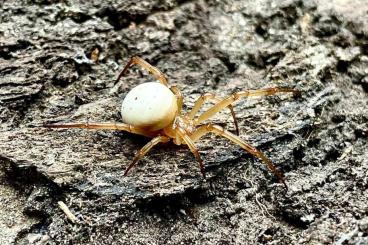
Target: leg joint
207	96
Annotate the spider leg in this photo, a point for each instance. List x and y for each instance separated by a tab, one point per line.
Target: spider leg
110	126
236	96
190	143
135	60
179	98
145	149
209	96
208	128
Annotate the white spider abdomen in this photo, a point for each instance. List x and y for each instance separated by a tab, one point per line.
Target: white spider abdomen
149	105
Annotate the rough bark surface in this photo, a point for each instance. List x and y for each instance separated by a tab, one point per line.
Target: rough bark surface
58	63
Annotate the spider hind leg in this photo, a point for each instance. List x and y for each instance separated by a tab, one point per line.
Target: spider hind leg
156	73
145	65
102	126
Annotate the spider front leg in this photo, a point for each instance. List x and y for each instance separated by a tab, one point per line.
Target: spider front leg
201	131
236	96
209	96
135	60
145	149
189	142
109	126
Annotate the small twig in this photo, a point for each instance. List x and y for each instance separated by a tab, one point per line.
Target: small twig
263	208
260	205
67	212
347	236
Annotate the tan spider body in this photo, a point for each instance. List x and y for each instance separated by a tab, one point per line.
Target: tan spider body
154	110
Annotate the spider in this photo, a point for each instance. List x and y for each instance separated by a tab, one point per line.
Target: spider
154	110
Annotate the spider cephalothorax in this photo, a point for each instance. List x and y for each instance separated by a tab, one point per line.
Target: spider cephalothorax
154	110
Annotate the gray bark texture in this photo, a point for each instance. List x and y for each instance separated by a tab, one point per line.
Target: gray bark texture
58	63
